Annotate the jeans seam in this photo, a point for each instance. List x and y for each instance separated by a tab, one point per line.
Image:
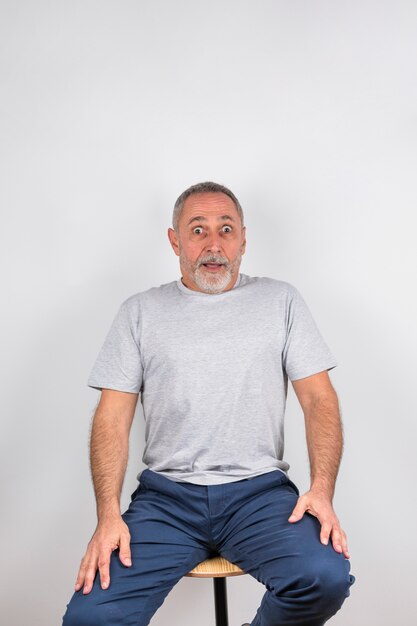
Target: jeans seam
148	603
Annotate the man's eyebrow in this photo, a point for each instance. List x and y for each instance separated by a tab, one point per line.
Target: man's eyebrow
201	218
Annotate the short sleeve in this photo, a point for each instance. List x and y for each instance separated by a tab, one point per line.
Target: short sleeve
118	365
305	352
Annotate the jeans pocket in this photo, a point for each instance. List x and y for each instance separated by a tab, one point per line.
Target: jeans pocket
137	491
293	486
132	496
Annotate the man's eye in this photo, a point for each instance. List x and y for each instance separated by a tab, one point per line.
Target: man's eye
227	227
197	228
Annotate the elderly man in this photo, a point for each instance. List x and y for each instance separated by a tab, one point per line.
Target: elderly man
210	355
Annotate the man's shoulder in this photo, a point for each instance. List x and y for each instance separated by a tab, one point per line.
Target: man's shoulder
269	285
134	301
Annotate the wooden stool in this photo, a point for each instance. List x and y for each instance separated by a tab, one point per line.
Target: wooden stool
218	569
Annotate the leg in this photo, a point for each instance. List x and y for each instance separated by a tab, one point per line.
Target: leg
306	581
164	548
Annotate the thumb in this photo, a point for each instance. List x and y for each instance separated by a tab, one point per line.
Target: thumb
124	551
298	512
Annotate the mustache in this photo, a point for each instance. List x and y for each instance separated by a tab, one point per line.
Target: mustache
213	259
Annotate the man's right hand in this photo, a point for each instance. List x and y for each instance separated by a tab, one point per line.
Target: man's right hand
110	534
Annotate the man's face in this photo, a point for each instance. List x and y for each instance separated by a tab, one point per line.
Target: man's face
210	242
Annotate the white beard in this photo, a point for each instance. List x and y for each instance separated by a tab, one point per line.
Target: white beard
211	282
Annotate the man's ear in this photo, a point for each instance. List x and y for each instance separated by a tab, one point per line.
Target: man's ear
173	239
243	246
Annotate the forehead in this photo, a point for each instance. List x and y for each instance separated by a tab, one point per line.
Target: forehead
208	204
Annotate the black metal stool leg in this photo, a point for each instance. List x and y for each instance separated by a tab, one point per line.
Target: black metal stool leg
220	601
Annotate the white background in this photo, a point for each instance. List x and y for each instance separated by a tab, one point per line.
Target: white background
109	110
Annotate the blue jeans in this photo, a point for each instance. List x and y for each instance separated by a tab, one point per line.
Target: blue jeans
174	526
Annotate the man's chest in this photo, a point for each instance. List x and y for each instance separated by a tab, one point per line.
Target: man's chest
211	344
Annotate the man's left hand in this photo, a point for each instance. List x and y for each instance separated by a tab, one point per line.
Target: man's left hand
321	507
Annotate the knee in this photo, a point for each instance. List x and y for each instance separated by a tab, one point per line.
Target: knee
332	583
323	584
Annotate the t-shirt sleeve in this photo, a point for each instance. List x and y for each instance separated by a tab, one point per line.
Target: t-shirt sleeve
305	352
118	365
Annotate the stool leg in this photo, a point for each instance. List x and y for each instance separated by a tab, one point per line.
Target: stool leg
220	601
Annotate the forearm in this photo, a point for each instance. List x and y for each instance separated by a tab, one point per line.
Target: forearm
324	441
109	446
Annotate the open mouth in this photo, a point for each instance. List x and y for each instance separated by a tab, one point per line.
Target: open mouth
213	266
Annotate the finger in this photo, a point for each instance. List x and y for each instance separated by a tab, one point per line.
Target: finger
80	577
124	551
298	511
89	577
345	545
337	539
325	533
104	569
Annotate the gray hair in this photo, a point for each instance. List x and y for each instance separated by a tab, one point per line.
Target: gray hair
206	187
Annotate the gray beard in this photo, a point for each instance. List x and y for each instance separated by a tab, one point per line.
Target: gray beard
212	283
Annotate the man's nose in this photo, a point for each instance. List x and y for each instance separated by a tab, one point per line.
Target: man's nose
213	243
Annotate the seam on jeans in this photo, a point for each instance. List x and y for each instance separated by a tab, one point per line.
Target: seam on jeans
148	603
208	517
246	558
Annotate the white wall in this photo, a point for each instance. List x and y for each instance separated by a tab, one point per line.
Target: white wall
307	110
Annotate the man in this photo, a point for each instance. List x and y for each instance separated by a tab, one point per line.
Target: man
210	355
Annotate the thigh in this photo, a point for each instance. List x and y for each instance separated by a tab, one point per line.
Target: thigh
163	549
279	554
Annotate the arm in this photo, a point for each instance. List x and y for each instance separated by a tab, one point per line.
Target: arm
109	444
320	405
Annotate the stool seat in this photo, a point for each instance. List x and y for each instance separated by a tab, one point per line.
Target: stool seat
216	567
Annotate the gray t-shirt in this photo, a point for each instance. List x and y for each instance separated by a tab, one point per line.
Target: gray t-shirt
212	372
